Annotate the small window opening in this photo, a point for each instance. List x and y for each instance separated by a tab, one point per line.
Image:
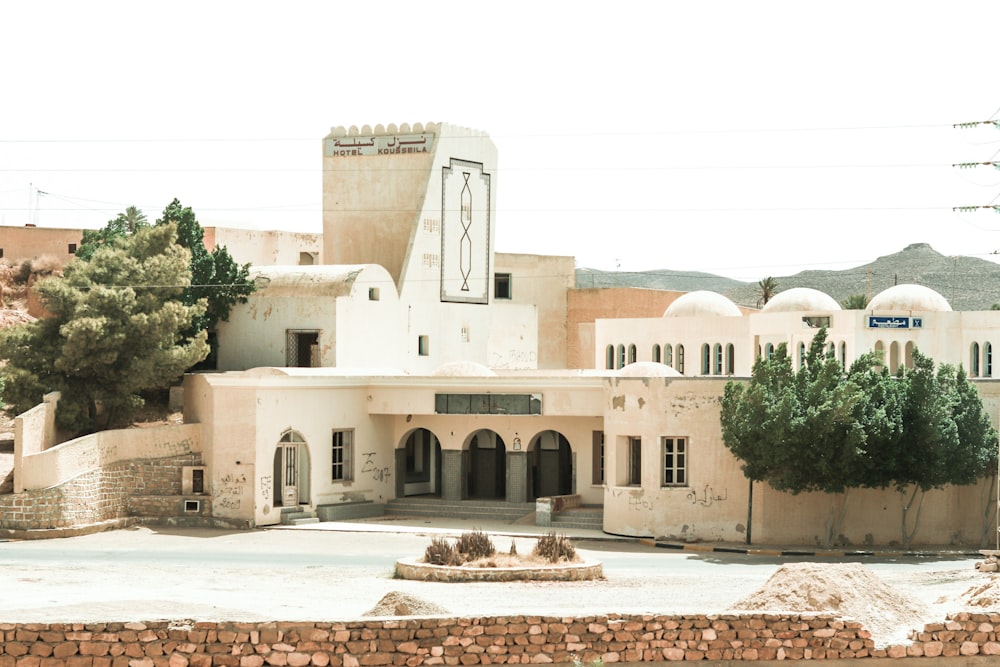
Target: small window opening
72	248
502	286
373	294
423	346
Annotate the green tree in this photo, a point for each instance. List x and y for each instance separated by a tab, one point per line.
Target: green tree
215	276
798	430
115	332
768	288
124	225
854	302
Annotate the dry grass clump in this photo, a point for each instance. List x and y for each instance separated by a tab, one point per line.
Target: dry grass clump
441	552
474	546
555	548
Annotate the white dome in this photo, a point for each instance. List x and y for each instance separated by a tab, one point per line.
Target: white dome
907	298
463	369
702	302
798	299
647	369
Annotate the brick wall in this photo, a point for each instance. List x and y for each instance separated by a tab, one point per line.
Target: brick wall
478	641
97	496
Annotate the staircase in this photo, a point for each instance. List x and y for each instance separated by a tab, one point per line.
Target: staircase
294	516
487	510
589	517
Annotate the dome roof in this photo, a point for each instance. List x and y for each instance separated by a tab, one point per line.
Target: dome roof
906	298
647	369
702	302
798	299
463	369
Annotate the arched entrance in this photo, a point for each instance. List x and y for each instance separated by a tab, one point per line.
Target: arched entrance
291	470
551	465
420	464
487	472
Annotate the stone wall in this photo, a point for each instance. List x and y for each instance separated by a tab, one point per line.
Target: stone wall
479	641
100	495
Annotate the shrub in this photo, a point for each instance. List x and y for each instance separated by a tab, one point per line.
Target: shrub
475	545
441	552
554	548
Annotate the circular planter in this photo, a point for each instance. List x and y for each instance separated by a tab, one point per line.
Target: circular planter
416	569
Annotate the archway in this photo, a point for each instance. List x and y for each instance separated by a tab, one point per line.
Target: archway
420	464
487	473
551	463
291	470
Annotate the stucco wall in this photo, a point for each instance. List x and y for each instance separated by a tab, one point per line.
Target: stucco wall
515	639
20	243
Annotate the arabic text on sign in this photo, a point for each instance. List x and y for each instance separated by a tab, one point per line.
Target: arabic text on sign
377	145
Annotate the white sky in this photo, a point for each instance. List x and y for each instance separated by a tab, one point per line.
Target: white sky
740	138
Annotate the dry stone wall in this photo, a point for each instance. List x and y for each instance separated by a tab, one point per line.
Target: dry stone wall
114	492
412	642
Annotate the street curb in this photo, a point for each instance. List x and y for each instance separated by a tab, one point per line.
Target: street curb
824	553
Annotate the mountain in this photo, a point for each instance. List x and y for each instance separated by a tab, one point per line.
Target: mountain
968	283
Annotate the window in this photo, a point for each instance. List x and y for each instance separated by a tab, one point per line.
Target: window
301	349
987	360
730	359
769	350
609	361
706	359
674	461
656	352
680	359
843	355
717	353
631	354
72	249
802	355
634	461
1	252
621	356
373	294
597	455
502	286
668	354
423	346
974	360
343	442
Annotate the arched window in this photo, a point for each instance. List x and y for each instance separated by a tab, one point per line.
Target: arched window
621	356
668	354
802	355
680	359
656	352
843	354
908	354
717	354
831	350
880	350
769	350
631	354
987	360
730	359
974	360
609	361
706	361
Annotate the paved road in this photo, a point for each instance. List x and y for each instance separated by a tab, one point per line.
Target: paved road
282	574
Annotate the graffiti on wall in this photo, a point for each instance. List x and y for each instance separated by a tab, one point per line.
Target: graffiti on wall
266	486
371	467
228	492
707	497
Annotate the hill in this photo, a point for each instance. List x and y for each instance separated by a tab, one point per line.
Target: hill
969	283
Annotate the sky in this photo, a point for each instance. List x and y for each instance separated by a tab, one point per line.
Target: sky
746	139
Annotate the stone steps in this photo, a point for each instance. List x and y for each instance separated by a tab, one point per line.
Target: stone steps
493	510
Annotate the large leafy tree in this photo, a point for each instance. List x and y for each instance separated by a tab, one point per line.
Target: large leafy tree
823	429
215	276
116	331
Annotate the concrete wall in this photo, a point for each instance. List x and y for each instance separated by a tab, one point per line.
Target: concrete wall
413	642
19	243
267	247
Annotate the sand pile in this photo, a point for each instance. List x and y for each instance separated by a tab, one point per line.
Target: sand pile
395	603
847	590
985	595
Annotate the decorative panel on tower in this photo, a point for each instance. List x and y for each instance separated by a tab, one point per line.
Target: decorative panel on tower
465	232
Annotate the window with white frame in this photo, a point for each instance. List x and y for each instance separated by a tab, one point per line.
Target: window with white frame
706	359
717	354
597	456
634	458
674	461
680	359
668	354
341	455
656	352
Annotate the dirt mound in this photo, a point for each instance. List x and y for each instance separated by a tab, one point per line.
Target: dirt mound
848	590
395	603
985	595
